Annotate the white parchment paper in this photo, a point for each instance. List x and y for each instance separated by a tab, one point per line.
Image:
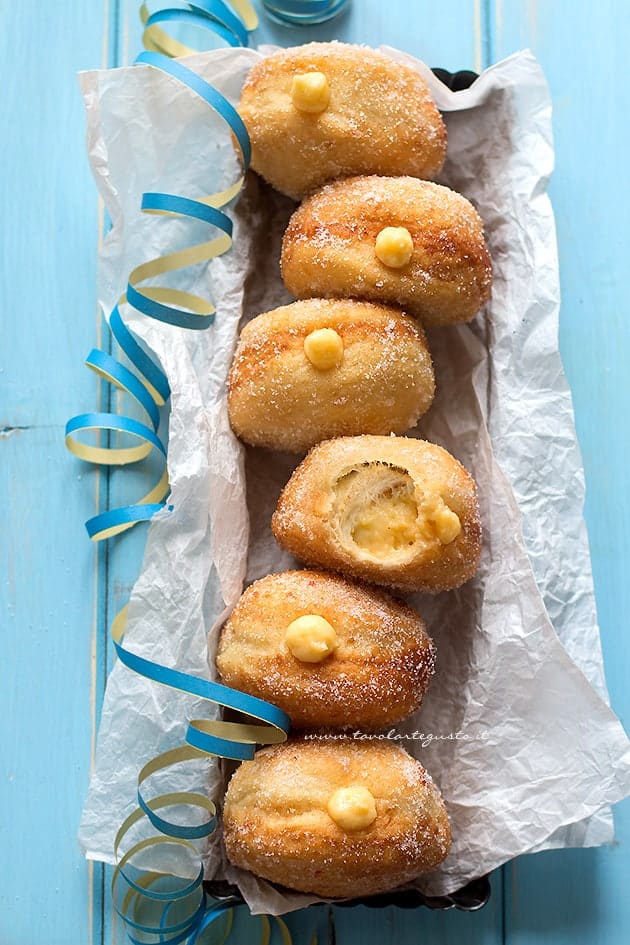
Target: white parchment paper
525	749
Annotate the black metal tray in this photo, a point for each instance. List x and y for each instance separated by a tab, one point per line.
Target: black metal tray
456	81
469	898
473	895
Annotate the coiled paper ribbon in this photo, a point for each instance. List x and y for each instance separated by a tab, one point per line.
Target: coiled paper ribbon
184	913
265	724
172	306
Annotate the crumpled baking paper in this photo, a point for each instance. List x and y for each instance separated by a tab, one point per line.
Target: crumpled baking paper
518	733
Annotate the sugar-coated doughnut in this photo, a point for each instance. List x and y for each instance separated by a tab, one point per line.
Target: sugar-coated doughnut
339	819
327	110
391	510
321	368
329	652
396	240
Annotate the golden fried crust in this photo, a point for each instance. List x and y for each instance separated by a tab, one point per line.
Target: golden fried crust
278	399
381	119
276	822
345	489
329	248
376	676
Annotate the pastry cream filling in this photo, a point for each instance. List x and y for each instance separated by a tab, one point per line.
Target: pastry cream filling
310	638
352	808
394	246
379	512
446	522
324	348
310	92
387	525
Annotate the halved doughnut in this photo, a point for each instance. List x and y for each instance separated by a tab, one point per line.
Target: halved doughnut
390	510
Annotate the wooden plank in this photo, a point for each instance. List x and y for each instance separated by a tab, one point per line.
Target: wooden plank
49	596
581	896
452	38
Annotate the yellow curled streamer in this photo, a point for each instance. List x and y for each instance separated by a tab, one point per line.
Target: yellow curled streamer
149	386
217	738
215	17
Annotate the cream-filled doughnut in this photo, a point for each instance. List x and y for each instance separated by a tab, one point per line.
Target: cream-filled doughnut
321	368
326	110
339	818
330	652
391	510
396	240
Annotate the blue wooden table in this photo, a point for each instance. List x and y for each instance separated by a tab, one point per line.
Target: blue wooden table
58	593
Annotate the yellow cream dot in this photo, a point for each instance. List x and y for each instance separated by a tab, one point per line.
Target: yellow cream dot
324	348
310	92
310	638
447	524
394	246
352	808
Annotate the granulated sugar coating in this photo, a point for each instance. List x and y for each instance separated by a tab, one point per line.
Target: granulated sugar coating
383	384
328	249
277	824
376	676
380	119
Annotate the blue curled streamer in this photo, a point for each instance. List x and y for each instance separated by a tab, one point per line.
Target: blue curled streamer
215	16
202	738
212	96
155	379
150	388
213	692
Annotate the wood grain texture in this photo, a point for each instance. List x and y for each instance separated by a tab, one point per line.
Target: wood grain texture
581	896
58	593
50	574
